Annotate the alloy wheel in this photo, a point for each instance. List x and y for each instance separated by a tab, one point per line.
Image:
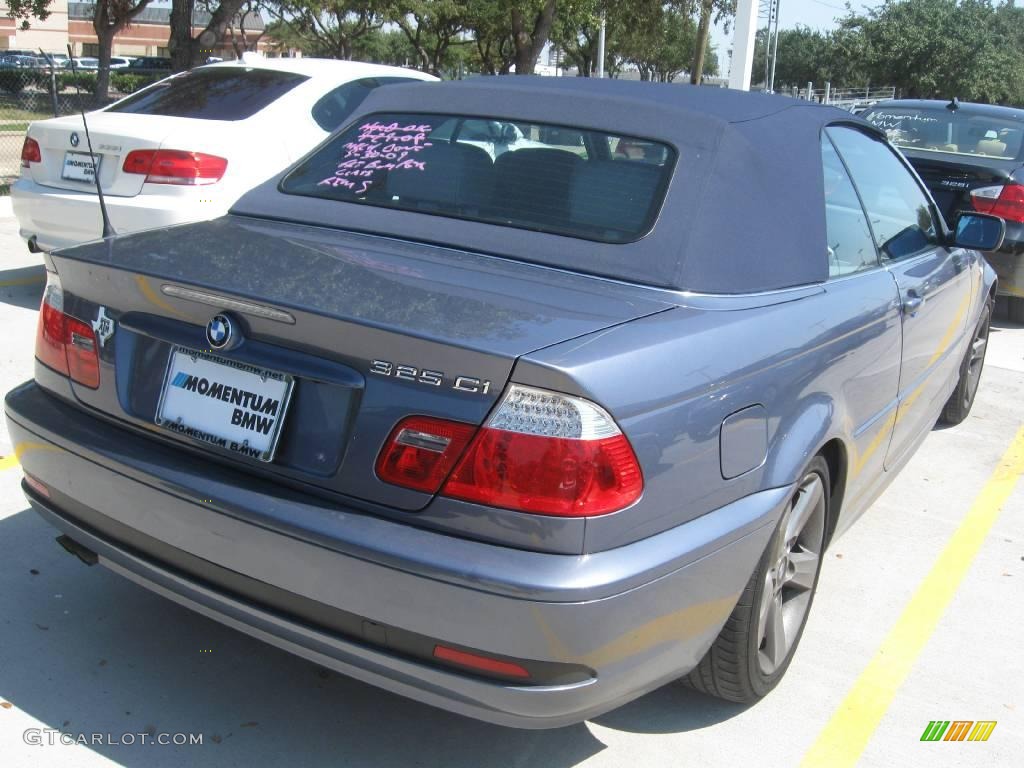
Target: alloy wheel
792	571
976	361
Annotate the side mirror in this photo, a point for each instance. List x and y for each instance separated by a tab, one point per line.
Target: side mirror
979	231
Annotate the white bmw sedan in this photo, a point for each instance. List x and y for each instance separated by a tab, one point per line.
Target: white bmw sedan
185	148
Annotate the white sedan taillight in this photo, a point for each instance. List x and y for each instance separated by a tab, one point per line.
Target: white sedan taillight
175	166
30	153
541	452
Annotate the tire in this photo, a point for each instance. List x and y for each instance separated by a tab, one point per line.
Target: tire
744	664
960	402
1015	309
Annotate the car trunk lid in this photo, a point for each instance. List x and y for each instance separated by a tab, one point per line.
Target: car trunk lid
370	329
952	180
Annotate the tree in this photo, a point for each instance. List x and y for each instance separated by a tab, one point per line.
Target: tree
329	28
110	17
514	32
719	11
531	27
492	34
578	33
188	51
432	27
703	32
242	24
925	48
27	9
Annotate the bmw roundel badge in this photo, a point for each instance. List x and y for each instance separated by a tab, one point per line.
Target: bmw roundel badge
220	331
74	139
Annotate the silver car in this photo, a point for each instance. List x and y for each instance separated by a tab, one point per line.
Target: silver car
524	434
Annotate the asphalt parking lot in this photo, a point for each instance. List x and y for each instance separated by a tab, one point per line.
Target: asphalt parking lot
918	618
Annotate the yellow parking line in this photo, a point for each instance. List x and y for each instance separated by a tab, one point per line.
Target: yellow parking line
7	462
846	734
36	279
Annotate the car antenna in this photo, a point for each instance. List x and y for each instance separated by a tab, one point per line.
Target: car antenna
108	229
953	105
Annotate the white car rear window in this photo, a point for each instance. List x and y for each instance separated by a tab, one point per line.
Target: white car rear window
215	93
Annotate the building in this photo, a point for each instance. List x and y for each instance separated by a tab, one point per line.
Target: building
71	23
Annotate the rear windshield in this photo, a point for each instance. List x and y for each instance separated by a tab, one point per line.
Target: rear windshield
217	93
953	132
568	181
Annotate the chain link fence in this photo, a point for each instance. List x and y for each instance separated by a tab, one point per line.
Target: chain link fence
38	92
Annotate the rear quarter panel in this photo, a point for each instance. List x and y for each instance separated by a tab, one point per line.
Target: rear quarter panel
824	364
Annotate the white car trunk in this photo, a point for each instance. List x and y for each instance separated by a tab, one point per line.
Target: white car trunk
64	150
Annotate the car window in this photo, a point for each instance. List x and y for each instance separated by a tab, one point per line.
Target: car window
899	210
496	137
334	107
490	170
216	93
948	131
637	150
850	245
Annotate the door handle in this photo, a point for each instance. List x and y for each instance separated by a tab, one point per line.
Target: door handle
912	302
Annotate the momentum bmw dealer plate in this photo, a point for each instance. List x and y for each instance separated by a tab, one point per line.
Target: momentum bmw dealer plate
78	166
224	403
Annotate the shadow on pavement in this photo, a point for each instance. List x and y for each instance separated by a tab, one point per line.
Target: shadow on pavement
86	651
22	287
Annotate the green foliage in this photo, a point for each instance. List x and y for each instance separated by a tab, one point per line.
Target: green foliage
82	80
664	47
26	9
658	38
925	48
12	81
432	28
326	28
125	83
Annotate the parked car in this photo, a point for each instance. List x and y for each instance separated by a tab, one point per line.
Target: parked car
525	437
971	156
82	63
121	62
151	62
20	61
186	147
58	59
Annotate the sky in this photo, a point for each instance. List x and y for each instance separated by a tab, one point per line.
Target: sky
816	14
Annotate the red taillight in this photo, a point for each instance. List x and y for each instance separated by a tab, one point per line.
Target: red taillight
50	338
540	452
549	454
547	475
64	343
30	152
477	662
421	451
1006	202
175	166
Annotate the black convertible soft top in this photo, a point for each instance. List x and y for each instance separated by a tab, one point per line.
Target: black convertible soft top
744	210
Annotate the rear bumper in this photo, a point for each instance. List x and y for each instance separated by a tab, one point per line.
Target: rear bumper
1009	267
60	218
635	617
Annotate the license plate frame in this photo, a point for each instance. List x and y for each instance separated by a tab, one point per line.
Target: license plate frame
86	176
209	437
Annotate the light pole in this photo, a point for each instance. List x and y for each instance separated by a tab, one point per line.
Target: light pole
600	48
743	45
775	48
